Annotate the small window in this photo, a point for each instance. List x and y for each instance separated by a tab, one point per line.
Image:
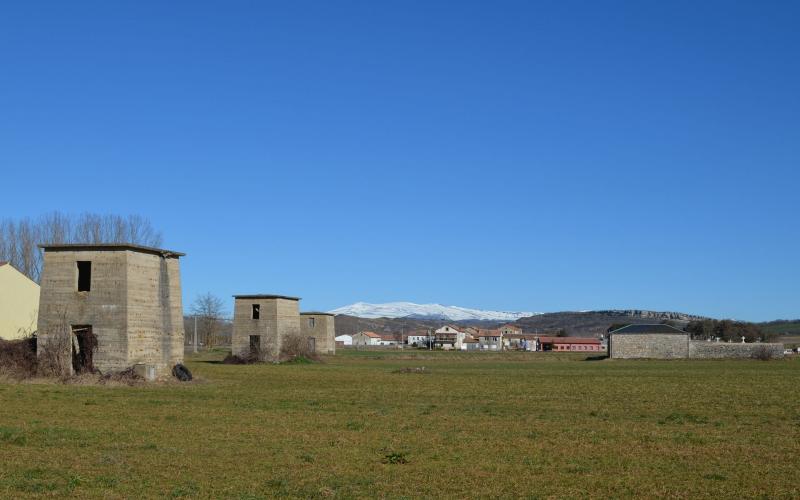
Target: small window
256	311
84	275
311	322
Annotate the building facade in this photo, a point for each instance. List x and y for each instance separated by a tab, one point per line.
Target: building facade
19	303
111	307
319	330
261	324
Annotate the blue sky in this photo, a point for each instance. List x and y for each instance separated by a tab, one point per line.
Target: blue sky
504	155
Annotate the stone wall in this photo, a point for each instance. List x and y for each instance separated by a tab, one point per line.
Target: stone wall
712	350
670	346
323	331
649	345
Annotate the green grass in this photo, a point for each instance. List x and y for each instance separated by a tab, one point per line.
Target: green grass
532	425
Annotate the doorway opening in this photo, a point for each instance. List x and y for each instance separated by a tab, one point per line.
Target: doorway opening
84	345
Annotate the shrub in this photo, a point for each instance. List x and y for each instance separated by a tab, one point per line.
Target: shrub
764	353
18	358
295	347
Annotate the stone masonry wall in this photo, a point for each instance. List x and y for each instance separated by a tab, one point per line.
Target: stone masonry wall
712	350
655	346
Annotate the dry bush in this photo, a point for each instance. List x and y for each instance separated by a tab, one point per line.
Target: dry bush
18	358
55	354
295	348
763	353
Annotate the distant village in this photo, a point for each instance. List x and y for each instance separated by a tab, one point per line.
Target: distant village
451	337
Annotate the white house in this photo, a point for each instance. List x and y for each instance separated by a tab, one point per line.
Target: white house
490	340
420	338
345	339
366	338
449	337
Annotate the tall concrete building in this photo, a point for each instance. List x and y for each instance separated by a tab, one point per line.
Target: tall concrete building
263	323
123	299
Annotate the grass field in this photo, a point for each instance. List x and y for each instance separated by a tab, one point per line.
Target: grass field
508	425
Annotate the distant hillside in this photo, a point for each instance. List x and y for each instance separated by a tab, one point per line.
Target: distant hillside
781	327
593	323
348	325
576	324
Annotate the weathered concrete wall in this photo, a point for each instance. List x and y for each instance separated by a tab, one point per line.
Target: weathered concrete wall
134	306
279	318
323	331
711	350
155	313
649	345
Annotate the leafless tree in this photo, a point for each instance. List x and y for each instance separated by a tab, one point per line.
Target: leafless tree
19	239
209	310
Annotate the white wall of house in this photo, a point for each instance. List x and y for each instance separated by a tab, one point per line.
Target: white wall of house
345	339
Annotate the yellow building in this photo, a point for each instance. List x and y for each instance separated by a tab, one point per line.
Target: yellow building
19	303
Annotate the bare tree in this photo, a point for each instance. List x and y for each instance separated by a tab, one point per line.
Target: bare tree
209	310
19	239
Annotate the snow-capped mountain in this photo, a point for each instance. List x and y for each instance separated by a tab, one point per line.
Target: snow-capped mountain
426	311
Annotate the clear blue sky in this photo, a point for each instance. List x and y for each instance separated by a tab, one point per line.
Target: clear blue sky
508	155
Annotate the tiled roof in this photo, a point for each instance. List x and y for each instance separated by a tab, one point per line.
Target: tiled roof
568	340
643	329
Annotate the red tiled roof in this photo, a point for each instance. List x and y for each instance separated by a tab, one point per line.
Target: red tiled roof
569	340
372	335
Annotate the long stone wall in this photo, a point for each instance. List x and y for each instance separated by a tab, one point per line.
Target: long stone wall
711	350
671	346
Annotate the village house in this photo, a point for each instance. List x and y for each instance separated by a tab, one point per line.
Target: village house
521	341
470	343
366	339
344	340
449	337
390	339
570	344
420	338
110	307
490	340
19	303
510	329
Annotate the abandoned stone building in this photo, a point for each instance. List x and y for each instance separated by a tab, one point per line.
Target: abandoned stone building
110	307
263	323
667	342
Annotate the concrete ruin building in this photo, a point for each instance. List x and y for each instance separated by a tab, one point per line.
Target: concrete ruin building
117	305
667	342
262	324
319	329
